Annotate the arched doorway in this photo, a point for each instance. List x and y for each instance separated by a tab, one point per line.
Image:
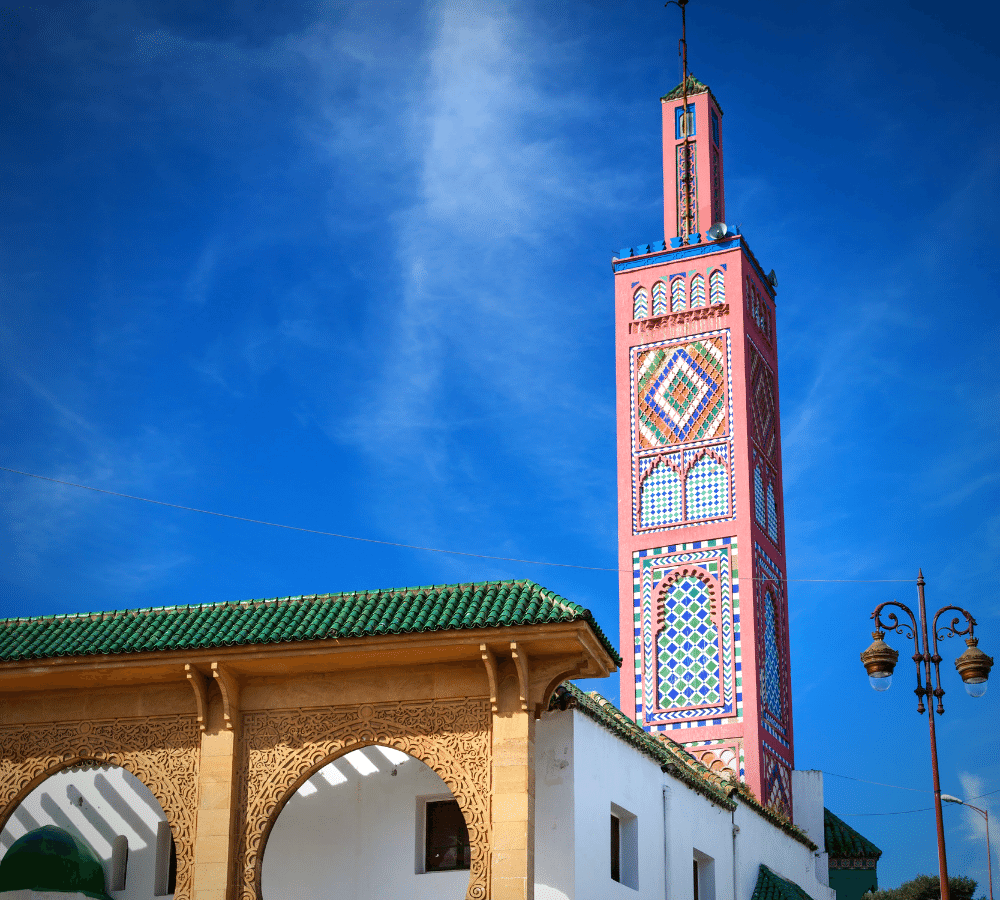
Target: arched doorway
115	815
373	823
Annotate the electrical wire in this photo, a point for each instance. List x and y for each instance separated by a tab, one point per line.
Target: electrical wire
384	543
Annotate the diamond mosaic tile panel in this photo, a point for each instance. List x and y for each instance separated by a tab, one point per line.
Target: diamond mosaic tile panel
697	291
640	304
678	294
717	287
687	647
659	299
660	497
762	404
707	489
681	392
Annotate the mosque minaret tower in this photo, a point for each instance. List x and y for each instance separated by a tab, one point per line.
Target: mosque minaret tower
703	603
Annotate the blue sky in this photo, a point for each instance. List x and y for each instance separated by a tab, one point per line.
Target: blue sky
347	267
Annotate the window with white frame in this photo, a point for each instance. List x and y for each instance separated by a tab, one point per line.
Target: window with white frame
703	868
443	837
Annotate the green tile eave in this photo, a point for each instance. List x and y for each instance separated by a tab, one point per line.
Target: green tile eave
843	842
694	86
285	619
771	886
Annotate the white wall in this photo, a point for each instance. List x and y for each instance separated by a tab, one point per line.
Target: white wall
351	832
96	803
807	794
761	842
583	772
554	816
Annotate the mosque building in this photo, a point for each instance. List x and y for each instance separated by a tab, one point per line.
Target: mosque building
429	742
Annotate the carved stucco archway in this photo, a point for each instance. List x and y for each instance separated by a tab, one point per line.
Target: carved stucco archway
284	747
161	751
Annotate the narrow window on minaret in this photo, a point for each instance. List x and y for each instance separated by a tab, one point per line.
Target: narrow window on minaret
684	129
678	294
659	299
697	291
640	304
717	287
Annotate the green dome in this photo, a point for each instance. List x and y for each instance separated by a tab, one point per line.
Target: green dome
50	859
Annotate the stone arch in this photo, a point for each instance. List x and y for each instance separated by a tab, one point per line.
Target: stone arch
161	751
283	748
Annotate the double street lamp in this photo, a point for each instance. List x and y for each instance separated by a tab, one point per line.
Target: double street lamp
973	666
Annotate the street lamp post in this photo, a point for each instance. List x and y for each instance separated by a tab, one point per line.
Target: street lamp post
985	814
973	665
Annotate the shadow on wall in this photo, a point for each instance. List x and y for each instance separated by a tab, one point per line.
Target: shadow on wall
116	815
371	824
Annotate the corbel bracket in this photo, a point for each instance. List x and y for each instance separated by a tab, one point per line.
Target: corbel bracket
491	673
230	690
199	684
520	658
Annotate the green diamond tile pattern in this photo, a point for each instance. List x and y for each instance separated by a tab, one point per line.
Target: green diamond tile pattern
487	604
688	651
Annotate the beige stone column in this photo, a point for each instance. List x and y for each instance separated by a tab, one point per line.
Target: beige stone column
214	840
513	792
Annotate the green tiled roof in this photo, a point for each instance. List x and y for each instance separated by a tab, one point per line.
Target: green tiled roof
773	887
672	758
694	87
487	604
843	842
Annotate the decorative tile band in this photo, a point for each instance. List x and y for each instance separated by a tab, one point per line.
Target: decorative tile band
777	782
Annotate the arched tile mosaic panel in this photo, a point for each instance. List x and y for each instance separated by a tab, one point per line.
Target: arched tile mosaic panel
771	616
688	664
707	489
660	497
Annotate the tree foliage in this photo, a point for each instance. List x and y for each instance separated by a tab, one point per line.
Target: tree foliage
927	887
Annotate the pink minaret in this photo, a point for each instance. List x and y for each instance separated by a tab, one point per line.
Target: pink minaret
704	613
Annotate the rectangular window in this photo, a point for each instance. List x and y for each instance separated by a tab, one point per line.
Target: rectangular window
624	847
616	845
715	128
446	837
704	876
679	129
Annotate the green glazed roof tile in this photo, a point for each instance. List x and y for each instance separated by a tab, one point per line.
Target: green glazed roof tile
843	842
316	617
694	86
773	887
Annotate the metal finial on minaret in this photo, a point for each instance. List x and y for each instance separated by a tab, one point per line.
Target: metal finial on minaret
682	49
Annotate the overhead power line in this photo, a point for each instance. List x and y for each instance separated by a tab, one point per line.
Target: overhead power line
384	543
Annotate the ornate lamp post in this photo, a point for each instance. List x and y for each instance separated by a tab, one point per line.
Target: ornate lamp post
973	665
985	814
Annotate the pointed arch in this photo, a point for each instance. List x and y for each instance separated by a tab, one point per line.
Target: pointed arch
706	487
660	496
717	287
697	290
678	293
640	304
660	299
771	680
